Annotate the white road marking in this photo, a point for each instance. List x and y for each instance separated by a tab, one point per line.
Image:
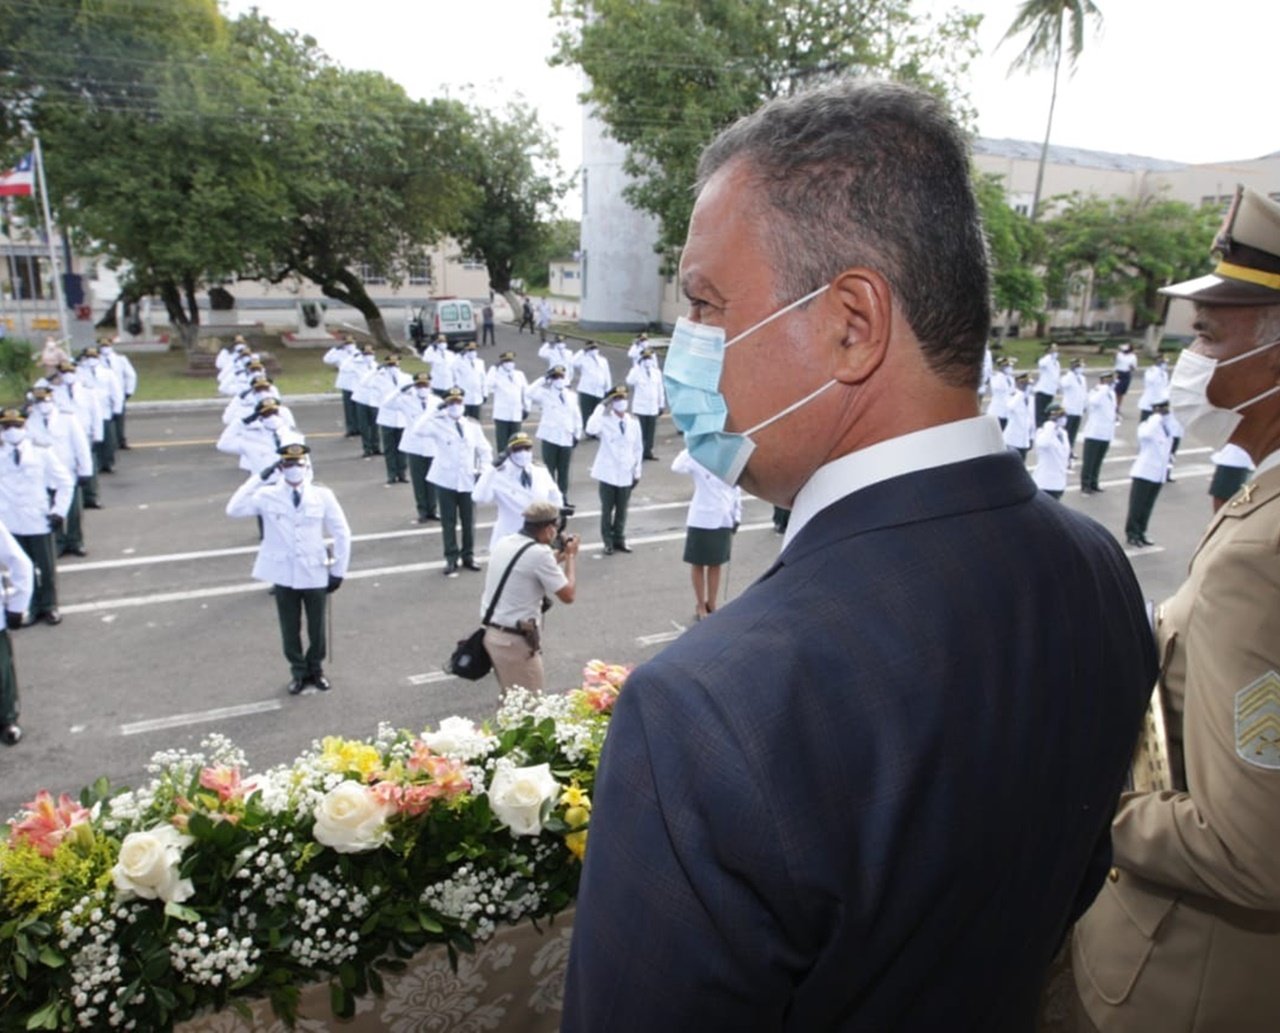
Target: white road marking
658	639
430	677
199	717
1143	550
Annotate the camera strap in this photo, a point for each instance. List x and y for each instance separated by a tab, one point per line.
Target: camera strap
497	592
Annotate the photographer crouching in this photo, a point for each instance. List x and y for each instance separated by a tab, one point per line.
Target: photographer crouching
525	569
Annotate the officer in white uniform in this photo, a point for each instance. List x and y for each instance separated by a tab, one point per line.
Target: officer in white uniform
440	359
49	428
366	401
462	452
617	465
1047	381
297	514
120	365
637	348
107	390
229	351
1149	472
595	378
509	390
1155	387
336	357
647	397
246	403
257	438
556	353
560	425
1002	388
513	483
1019	428
80	403
1099	430
418	405
1075	392
469	373
35	495
19	571
384	385
1053	451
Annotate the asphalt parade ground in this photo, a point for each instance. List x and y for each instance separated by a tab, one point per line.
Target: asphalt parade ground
167	639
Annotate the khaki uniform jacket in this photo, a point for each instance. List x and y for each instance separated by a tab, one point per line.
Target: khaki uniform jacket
1184	936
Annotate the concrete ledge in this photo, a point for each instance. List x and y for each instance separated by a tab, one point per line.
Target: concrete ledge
219	403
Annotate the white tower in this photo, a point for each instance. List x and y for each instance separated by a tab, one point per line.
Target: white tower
621	285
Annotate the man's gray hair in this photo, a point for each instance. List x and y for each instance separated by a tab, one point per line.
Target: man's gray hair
1268	325
874	174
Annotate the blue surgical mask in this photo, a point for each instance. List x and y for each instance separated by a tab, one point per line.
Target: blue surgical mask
695	362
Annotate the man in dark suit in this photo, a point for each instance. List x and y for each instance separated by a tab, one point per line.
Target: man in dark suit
873	791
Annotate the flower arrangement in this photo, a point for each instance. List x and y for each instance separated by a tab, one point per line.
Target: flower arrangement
140	908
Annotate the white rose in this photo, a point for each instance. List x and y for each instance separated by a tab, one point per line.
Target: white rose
457	737
148	865
517	795
351	820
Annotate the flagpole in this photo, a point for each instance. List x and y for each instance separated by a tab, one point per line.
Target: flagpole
53	252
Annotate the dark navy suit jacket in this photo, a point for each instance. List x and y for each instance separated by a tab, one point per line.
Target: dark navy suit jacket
872	792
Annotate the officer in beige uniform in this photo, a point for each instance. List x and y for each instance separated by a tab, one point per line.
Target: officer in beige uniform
1185	935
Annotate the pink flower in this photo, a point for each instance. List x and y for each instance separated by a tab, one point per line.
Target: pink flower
447	777
223	781
417	799
46	824
598	673
600	698
388	793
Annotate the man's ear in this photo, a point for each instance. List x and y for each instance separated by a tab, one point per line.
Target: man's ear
864	309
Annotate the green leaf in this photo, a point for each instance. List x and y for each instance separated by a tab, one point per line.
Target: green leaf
50	958
180	912
347	975
20	966
428	923
44	1018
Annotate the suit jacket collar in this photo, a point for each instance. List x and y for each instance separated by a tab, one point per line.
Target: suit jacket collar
988	482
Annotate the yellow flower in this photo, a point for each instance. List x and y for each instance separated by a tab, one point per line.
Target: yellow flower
577	844
345	755
574	796
576	816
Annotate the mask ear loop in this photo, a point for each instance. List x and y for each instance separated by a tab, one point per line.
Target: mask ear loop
792	408
782	311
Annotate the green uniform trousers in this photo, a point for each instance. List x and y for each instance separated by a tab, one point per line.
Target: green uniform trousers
1142	500
613	514
424	492
1091	463
391	453
557	459
39	547
290	604
456	507
8	681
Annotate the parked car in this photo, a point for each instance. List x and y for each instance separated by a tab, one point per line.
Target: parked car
453	317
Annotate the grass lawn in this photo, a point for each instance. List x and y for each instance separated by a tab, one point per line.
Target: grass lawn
162	376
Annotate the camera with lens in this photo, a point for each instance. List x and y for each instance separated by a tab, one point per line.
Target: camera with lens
557	543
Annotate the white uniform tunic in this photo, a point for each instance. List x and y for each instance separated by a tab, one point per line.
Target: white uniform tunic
594	376
293	552
1002	387
469	377
1022	416
502	485
1075	389
122	367
620	456
561	422
1053	450
26	484
336	356
647	395
385	387
82	403
715	504
419	405
64	435
556	353
245	404
1050	375
257	443
352	370
509	390
1155	387
1100	424
21	573
441	360
1155	443
459	457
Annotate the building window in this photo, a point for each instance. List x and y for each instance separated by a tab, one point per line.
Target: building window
370	276
473	264
420	270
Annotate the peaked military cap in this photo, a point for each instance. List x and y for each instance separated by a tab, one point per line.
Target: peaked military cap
422	379
294	452
507	355
521	440
1248	250
454	394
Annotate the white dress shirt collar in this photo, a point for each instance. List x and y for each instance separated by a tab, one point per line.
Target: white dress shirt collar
925	449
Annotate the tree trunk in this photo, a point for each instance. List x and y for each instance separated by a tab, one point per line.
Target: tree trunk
1048	130
343	285
187	332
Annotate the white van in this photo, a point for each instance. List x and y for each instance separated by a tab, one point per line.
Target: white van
452	317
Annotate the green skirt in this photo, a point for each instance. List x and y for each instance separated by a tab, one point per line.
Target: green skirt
704	547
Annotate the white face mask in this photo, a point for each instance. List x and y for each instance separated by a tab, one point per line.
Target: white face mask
619	405
45	407
1189	396
455	411
271	422
13	435
522	457
423	392
68	378
294	474
508	365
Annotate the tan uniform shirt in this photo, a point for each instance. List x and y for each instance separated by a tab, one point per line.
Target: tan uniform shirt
1184	936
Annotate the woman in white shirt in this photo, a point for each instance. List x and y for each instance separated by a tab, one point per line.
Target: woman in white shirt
714	515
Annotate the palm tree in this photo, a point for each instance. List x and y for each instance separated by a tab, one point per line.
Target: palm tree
1048	21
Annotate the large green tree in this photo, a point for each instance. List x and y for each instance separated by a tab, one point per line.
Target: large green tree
510	160
1132	248
1054	28
1016	246
667	75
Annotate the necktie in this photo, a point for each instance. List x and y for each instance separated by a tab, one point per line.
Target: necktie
17	459
277	440
525	479
458	425
622	427
297	498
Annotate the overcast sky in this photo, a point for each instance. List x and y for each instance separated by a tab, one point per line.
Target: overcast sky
1186	80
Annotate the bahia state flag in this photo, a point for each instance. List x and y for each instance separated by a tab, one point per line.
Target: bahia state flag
19	181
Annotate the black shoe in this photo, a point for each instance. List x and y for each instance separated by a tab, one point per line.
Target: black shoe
93	505
451	569
391	480
1136	542
1147	542
471	565
297	685
608	549
124	448
51	617
74	550
622	547
1098	489
10	734
321	682
650	458
1086	491
401	479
